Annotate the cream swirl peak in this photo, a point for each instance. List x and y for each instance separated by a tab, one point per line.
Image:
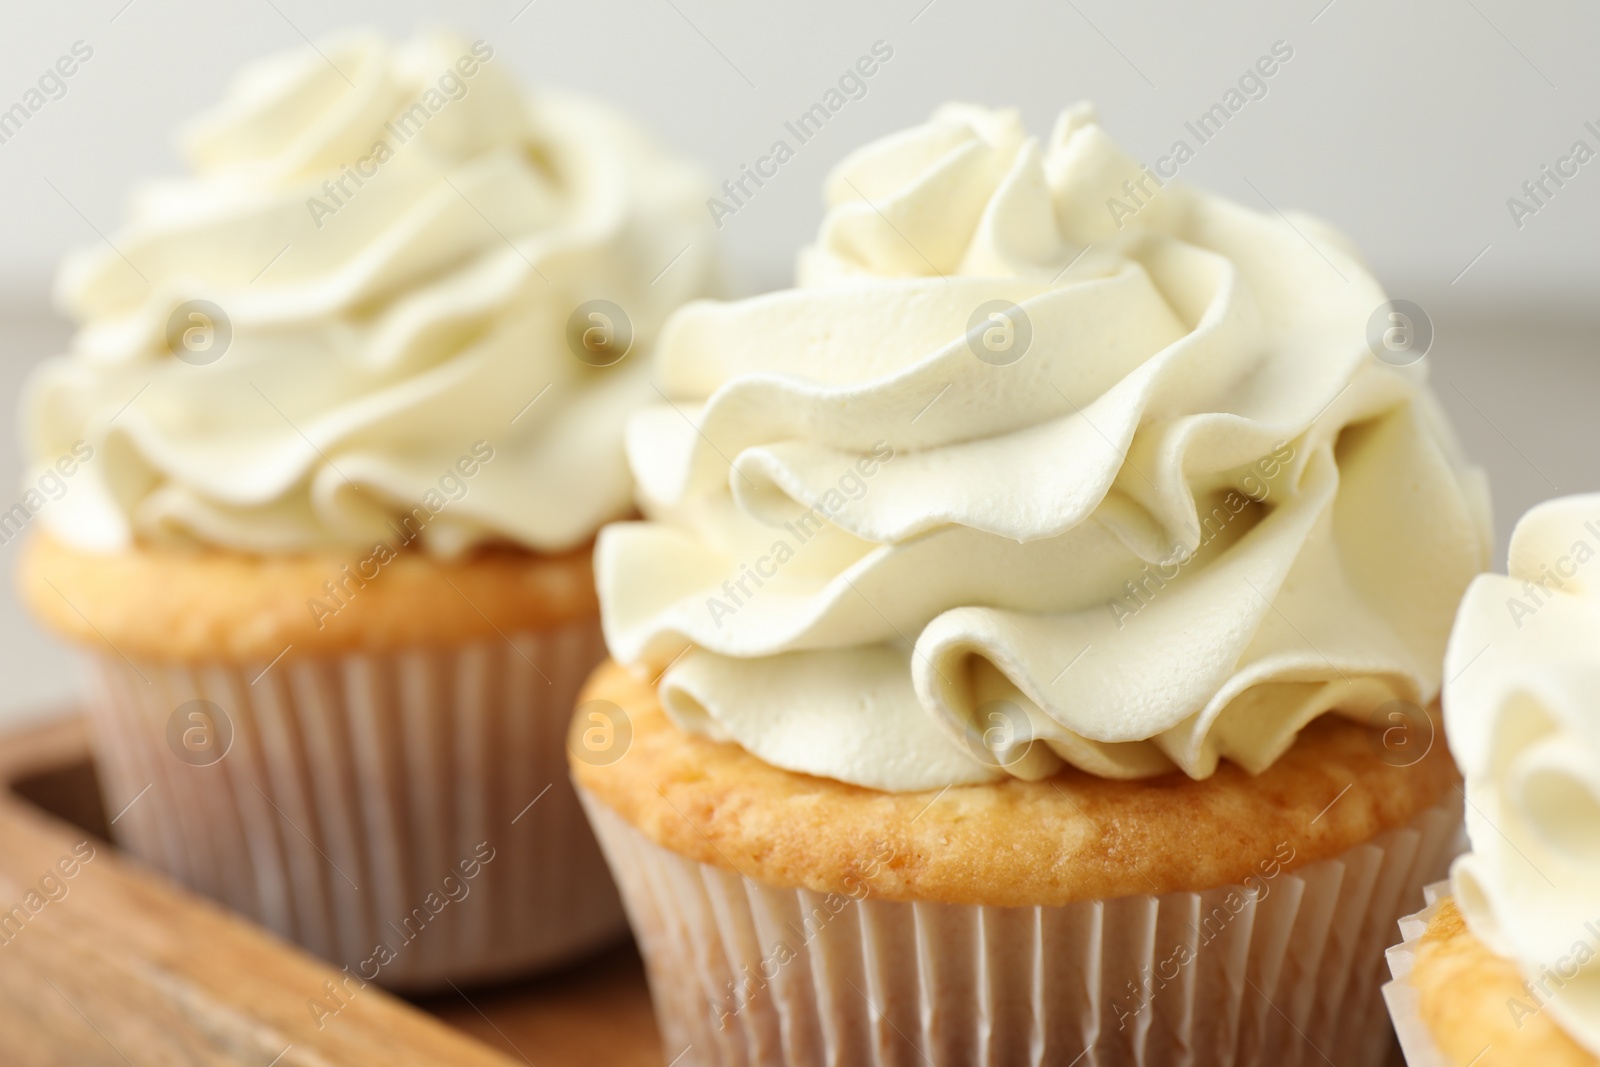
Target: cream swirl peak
1522	712
374	265
896	536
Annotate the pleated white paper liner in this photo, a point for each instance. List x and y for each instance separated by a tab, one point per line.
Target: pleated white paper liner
356	786
1402	997
748	975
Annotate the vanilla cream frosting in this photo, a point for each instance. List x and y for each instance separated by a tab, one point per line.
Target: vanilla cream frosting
1168	515
1522	712
390	241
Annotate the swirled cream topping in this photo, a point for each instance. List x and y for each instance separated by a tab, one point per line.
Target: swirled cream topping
1522	711
376	275
1018	476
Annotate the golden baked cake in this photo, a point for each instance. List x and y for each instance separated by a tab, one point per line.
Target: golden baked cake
1061	840
1465	990
203	605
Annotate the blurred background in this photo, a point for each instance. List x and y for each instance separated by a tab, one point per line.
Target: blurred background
1410	127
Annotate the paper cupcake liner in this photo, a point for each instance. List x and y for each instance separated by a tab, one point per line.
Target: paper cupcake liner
358	793
1402	998
1284	973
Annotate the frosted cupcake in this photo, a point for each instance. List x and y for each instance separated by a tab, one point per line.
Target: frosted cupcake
342	419
998	656
1502	967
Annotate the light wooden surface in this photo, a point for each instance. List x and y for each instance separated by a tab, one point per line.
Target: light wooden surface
595	1014
125	969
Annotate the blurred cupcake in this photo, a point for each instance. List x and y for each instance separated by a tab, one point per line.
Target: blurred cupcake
998	580
1504	966
342	419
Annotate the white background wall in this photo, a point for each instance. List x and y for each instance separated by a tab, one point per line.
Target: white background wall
1408	125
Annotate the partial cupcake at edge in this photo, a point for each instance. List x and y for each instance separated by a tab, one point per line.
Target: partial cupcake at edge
341	419
1501	969
997	663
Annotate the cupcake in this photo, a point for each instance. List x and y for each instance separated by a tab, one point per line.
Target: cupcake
318	482
975	657
1502	966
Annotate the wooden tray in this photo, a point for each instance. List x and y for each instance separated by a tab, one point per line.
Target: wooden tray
117	966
